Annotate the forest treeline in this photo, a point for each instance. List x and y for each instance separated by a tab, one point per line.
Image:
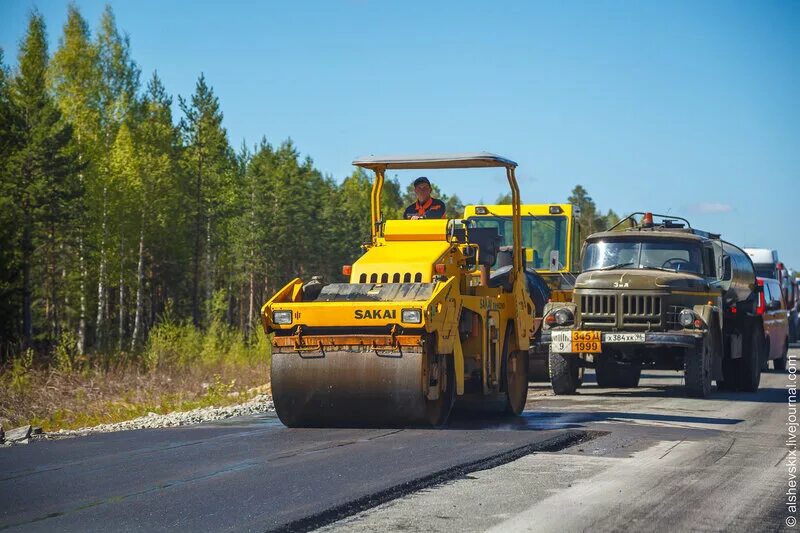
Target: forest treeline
114	213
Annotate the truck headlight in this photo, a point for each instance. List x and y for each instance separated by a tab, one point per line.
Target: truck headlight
564	317
281	317
411	316
686	318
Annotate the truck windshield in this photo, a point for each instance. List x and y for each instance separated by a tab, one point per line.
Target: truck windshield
544	237
680	256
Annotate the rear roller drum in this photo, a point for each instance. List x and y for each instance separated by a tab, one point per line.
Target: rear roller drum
515	377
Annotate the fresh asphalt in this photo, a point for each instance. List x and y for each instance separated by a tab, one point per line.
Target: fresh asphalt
642	459
244	474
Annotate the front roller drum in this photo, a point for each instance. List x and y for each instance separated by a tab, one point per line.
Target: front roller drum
340	388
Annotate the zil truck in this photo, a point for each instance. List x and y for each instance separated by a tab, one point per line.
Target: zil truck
661	296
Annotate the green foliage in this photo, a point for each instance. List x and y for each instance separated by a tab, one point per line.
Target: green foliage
503	199
38	182
179	344
590	220
128	234
218	391
18	378
65	353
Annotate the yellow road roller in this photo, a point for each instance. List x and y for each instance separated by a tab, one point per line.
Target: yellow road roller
422	323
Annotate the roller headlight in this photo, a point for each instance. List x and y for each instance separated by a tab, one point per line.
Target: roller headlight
411	316
564	317
281	317
686	318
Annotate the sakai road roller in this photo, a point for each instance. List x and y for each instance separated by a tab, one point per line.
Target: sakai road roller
421	324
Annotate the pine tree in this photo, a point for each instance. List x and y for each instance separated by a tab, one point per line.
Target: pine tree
210	163
11	127
43	171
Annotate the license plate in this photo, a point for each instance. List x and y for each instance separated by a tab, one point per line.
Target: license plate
576	341
623	337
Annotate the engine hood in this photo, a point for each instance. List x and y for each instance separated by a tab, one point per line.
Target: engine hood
640	279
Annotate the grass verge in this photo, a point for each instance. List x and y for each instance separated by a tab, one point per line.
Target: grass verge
181	368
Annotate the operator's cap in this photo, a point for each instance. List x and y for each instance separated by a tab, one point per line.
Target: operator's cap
421	179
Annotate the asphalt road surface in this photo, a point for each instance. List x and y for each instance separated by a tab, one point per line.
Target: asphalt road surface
604	460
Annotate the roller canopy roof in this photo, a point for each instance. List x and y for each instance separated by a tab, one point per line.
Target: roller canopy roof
432	161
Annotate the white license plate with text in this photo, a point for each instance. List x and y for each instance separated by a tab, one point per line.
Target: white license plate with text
623	337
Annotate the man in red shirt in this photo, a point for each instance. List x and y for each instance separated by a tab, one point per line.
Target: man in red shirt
425	206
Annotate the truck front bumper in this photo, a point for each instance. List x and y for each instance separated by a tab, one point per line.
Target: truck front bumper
651	339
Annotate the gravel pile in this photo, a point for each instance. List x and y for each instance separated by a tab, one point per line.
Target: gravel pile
259	404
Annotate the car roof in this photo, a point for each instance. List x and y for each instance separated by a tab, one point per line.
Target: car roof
433	161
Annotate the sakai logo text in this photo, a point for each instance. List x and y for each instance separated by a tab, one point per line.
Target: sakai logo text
361	314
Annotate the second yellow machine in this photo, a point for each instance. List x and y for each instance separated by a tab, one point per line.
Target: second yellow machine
422	322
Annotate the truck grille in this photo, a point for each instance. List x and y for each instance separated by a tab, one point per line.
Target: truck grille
635	311
599	308
641	309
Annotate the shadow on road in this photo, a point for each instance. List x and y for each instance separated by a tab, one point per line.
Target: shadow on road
541	420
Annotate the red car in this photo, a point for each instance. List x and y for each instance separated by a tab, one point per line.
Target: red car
772	307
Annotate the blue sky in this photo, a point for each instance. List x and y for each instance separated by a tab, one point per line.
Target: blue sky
689	108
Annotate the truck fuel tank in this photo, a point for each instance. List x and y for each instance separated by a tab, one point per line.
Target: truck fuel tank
739	278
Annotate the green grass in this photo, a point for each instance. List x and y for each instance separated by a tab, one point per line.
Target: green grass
179	369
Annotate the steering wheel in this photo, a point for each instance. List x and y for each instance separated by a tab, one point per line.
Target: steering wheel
675	262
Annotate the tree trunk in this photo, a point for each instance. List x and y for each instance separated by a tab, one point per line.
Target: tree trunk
250	306
82	321
101	288
231	303
27	296
64	322
197	243
137	321
121	294
81	344
53	283
208	275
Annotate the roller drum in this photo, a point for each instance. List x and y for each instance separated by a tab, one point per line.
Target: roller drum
342	388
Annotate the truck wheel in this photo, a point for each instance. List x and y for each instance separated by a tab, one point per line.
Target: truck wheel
748	367
612	374
564	372
729	370
537	367
764	363
697	367
780	363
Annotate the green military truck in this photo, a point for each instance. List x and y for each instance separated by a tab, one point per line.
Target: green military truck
661	296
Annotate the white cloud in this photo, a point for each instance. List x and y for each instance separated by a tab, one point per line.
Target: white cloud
704	208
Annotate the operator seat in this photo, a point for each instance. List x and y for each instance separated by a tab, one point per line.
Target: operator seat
537	286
